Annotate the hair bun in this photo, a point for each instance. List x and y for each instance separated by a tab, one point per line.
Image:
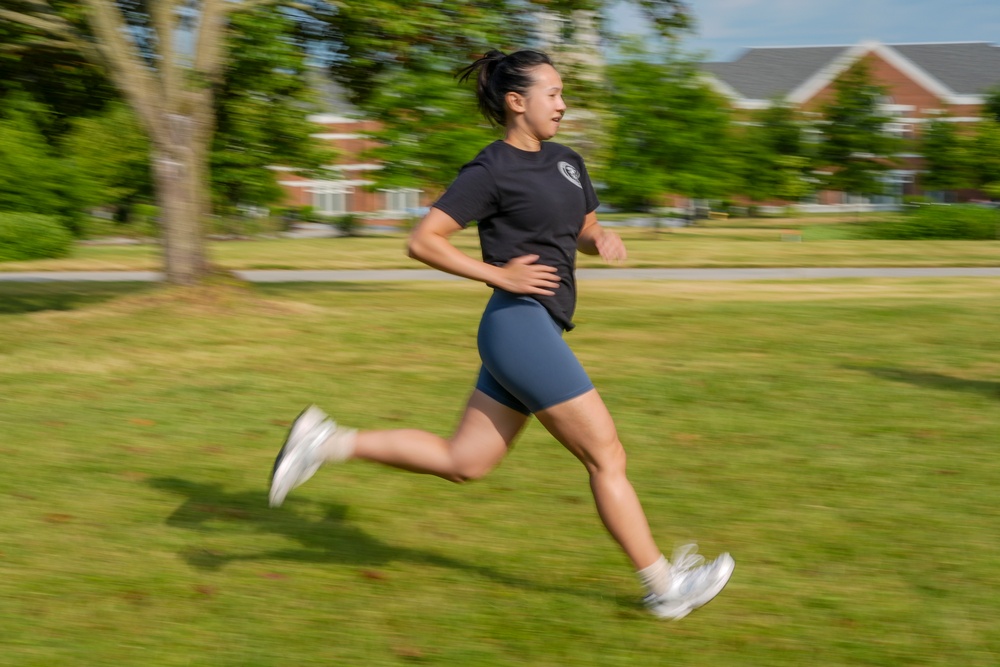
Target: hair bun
497	73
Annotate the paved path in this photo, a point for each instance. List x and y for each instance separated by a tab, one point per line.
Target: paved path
408	275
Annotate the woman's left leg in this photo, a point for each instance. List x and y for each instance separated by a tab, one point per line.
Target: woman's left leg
479	443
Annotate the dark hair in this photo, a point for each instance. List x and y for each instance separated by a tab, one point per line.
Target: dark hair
498	74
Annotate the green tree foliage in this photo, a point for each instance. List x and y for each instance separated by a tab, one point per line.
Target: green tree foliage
26	236
774	159
985	147
110	153
60	79
368	38
425	144
670	133
854	147
947	157
985	157
262	110
35	180
991	107
955	222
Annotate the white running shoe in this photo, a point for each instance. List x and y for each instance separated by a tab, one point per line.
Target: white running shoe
693	583
300	457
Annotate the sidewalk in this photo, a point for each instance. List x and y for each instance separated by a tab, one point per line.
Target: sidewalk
407	275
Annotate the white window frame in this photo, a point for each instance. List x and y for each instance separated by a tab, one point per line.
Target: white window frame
400	202
331	198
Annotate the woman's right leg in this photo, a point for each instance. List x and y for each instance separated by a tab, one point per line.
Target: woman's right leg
585	427
480	442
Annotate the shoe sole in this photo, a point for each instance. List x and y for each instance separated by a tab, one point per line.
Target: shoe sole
284	445
281	457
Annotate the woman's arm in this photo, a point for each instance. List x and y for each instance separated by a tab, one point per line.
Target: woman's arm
595	240
429	242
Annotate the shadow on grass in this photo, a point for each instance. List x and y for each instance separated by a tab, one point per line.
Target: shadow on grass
934	380
332	539
24	297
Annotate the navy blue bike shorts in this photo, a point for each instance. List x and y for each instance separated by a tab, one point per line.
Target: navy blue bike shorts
527	365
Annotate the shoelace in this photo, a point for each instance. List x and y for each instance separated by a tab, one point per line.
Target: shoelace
685	559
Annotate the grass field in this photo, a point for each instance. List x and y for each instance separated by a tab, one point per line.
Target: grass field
819	241
838	437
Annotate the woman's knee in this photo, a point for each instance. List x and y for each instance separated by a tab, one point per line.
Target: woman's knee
609	459
469	471
471	463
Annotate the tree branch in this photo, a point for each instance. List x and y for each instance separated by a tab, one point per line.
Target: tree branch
41	6
44	43
55	25
125	64
209	54
58	27
164	19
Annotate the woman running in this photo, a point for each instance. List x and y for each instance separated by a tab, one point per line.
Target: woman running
535	208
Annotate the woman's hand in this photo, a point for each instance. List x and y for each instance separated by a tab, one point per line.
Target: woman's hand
595	240
610	247
522	276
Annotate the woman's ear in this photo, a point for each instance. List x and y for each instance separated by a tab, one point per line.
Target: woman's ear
515	101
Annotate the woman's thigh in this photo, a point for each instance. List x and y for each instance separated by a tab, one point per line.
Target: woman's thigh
585	427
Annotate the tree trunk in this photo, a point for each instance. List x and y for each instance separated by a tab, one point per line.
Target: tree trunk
178	193
174	102
179	173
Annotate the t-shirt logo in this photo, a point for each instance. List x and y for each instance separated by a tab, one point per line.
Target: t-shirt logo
571	173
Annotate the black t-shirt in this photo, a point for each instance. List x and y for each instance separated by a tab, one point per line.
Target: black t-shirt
527	203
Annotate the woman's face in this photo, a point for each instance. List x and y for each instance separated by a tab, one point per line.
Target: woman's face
543	105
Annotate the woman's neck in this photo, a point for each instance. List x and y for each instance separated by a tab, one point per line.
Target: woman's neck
519	138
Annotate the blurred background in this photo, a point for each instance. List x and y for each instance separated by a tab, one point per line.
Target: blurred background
174	120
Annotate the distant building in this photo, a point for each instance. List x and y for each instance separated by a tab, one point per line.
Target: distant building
923	82
348	189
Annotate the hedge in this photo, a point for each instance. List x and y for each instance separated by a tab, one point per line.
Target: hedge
936	221
26	236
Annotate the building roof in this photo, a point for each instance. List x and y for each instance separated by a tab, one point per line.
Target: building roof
969	68
767	73
960	69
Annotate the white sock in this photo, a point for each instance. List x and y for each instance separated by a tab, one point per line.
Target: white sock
339	446
656	577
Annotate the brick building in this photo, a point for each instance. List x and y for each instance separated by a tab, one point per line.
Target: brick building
348	188
923	82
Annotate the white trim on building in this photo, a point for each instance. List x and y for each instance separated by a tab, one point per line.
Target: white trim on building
330	118
316	183
366	166
335	136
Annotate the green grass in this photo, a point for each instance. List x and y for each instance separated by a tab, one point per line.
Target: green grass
737	243
838	437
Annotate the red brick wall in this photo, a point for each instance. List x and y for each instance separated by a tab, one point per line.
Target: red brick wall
349	151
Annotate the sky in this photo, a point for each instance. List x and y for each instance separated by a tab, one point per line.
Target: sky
726	27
